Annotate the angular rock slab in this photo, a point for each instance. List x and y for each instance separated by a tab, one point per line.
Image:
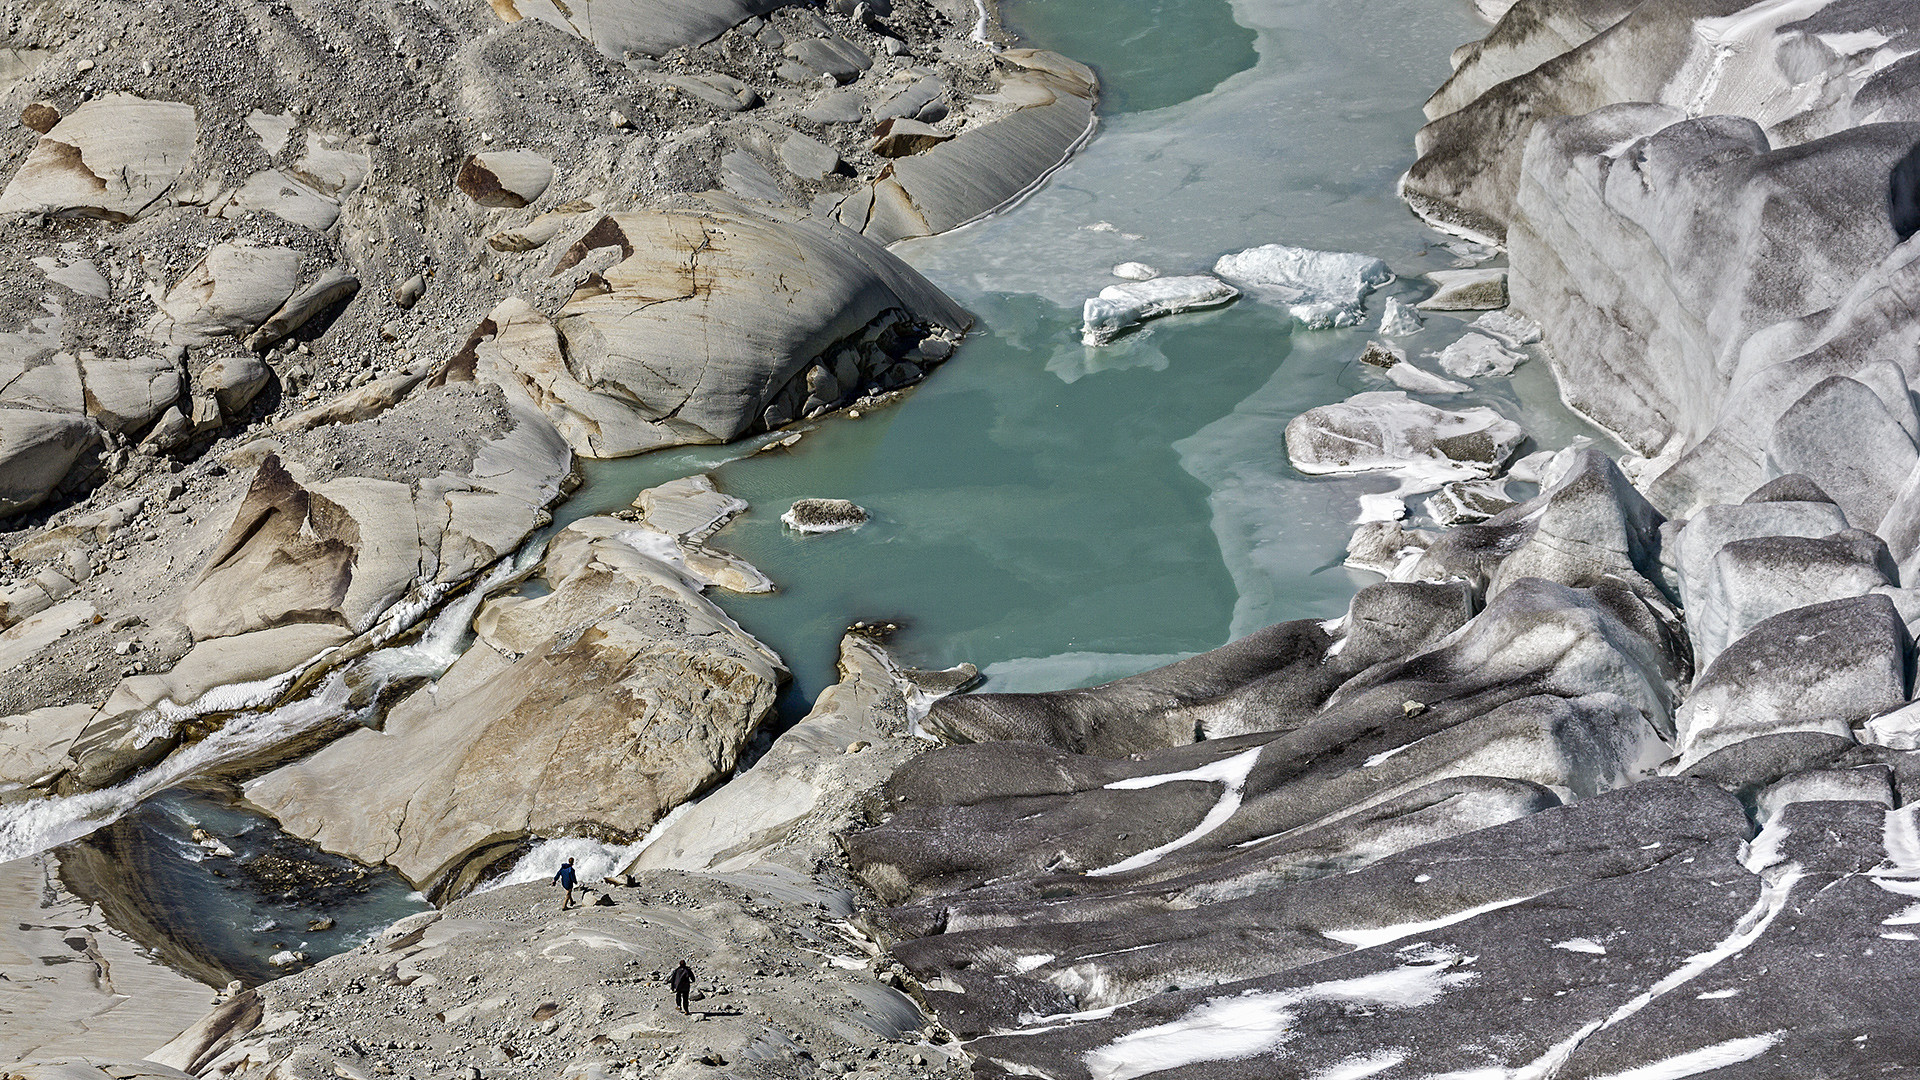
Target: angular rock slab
708	318
631	694
115	157
341	541
987	165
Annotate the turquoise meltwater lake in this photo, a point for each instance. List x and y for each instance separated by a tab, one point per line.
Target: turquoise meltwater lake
1062	515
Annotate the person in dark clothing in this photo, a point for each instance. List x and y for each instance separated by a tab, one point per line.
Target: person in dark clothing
681	980
564	877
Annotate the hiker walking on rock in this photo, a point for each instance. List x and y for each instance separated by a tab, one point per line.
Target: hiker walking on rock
564	877
681	980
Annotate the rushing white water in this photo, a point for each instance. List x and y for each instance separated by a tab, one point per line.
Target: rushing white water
348	693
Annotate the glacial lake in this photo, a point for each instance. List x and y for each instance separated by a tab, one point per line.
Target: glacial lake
1063	515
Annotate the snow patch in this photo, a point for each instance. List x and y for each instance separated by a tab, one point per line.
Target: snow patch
1705	1059
1229	772
1581	945
1367	938
1247	1024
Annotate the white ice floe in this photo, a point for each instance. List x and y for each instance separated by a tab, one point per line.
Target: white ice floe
1581	945
1320	288
1386	431
1230	772
1367	937
1135	271
1244	1025
1514	330
1399	320
1119	307
1421	381
1476	355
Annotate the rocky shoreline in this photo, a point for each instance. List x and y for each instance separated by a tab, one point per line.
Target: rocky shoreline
1611	777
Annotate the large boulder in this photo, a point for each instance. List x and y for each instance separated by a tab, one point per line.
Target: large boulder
709	327
1749	581
37	449
596	707
1821	668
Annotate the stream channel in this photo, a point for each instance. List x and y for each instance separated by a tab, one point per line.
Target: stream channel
1056	514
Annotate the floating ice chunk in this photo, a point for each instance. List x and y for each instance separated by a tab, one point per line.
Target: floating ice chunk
1135	271
1582	945
1422	381
1515	330
1392	359
1321	288
1399	320
1121	306
823	516
1387	430
1476	355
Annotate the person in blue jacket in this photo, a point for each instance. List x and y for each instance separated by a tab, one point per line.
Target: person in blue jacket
564	877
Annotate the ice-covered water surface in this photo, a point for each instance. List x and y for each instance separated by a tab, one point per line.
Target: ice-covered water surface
1039	504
